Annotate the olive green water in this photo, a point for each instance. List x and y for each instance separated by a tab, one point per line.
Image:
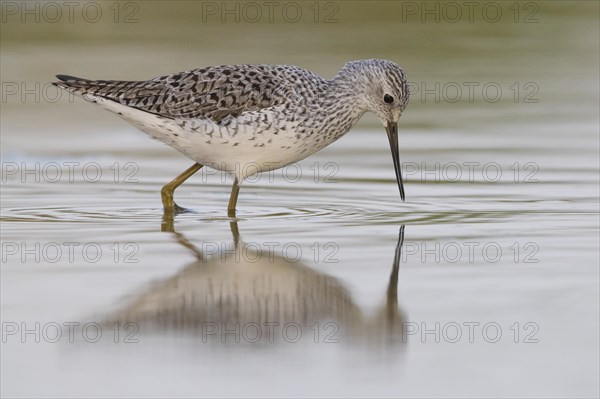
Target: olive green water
494	291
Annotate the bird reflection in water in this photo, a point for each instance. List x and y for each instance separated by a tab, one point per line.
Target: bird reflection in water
241	295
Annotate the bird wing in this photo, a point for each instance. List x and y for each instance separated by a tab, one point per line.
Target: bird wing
214	92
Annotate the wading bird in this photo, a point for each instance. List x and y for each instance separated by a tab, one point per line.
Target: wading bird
268	116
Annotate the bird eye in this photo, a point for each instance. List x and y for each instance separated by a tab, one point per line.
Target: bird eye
388	99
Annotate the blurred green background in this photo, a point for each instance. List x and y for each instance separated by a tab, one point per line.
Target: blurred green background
553	44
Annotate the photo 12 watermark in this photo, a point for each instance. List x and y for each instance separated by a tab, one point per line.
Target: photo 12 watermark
70	252
473	91
267	172
526	12
470	252
52	12
270	251
326	12
69	172
269	332
23	92
453	332
69	332
471	172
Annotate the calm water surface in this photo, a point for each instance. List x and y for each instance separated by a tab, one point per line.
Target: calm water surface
483	283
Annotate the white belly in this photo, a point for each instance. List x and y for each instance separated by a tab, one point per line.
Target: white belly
241	152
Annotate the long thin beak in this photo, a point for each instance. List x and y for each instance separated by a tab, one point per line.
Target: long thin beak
392	132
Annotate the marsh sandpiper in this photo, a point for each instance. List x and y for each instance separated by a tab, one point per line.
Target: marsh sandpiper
268	116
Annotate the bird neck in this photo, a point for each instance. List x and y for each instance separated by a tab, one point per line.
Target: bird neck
351	87
340	108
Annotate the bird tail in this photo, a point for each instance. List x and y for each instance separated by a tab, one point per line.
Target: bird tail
81	86
114	90
75	85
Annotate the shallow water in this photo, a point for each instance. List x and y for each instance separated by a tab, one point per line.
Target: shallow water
496	278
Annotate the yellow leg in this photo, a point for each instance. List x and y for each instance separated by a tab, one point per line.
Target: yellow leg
167	191
235	190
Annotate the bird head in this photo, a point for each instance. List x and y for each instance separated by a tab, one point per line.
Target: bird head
382	89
